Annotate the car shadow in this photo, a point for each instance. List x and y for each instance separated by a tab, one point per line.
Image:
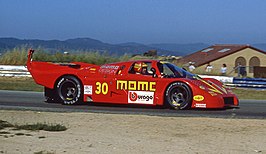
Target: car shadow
141	106
126	106
215	109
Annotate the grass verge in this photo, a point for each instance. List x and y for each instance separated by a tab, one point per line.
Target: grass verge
20	84
250	93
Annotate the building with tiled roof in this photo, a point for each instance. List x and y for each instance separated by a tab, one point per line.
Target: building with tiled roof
231	55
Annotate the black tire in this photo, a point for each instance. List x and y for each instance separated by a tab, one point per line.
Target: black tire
51	95
69	90
178	96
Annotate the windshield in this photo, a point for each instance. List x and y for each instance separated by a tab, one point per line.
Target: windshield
169	70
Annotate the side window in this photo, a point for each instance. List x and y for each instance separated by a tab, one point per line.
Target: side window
168	70
149	68
164	69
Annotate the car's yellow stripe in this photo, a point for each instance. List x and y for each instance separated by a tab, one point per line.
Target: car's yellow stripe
212	87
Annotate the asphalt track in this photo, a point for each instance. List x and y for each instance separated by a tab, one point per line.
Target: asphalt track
21	100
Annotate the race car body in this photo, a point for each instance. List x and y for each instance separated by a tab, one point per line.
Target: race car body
143	82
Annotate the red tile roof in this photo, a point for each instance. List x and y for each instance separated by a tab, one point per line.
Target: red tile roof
213	53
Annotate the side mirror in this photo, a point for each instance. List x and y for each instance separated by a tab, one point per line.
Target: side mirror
153	72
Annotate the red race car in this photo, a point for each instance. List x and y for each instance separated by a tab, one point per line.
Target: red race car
149	82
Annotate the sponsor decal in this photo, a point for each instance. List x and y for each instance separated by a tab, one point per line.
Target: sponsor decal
200	105
135	85
140	97
88	89
198	98
108	69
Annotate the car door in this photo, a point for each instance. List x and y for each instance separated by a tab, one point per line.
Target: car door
136	88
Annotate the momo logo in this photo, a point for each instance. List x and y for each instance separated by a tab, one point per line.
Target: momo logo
140	97
135	85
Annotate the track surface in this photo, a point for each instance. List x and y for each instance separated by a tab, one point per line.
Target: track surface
20	100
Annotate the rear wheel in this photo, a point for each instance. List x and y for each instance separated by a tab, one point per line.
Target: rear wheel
51	95
178	96
69	90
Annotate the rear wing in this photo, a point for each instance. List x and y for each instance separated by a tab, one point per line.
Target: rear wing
75	65
30	53
29	60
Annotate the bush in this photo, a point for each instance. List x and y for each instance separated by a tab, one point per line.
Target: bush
18	56
5	124
41	126
37	126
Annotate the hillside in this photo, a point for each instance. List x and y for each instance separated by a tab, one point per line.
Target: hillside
88	44
180	49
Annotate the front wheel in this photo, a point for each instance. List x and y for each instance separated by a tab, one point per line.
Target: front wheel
178	96
69	90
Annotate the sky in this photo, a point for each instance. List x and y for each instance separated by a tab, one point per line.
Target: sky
141	21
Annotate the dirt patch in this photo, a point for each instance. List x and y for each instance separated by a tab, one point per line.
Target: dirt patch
120	133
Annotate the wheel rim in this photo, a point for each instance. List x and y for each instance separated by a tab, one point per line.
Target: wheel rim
68	90
179	97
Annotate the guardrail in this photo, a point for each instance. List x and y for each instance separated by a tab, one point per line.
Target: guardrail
14	71
257	83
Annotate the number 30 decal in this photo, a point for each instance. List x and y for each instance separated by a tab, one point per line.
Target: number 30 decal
101	88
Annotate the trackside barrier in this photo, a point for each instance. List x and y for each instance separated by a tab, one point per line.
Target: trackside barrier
14	71
257	83
223	79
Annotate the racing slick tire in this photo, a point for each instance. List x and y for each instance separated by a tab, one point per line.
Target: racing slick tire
69	90
178	95
51	95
